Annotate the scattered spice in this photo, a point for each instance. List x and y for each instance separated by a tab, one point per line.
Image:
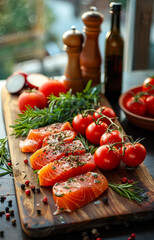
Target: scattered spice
3	198
7	215
7	209
9	164
45	200
27	192
13	222
38	211
27	182
38	190
2	233
26	161
10	203
105	200
133	236
33	188
23	186
11	212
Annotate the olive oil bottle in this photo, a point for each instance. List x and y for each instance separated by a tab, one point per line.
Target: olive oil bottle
114	55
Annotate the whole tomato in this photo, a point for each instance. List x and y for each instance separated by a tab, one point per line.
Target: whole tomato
106	158
94	132
134	154
136	106
52	87
148	85
150	104
31	98
111	137
81	122
105	111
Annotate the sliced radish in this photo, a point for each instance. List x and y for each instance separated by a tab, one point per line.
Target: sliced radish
15	83
35	80
22	73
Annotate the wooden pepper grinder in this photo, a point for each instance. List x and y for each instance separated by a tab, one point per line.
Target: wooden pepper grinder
73	40
90	59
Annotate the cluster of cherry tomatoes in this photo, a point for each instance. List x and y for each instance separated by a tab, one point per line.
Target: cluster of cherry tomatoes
142	103
98	130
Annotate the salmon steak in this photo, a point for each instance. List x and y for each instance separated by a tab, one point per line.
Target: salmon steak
49	153
64	168
78	191
35	137
63	136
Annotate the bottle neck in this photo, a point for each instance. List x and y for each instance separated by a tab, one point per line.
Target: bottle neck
115	22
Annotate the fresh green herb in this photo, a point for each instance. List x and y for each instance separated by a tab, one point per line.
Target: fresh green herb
89	148
61	109
59	194
36	171
97	181
128	190
4	157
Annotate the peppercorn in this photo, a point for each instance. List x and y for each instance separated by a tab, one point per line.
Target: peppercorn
7	209
133	236
23	186
45	200
27	183
105	200
26	161
1	213
9	164
13	222
124	180
38	190
33	188
38	211
2	233
3	199
7	215
27	192
10	203
11	212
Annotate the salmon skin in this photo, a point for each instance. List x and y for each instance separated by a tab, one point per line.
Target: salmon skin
63	136
64	168
50	153
35	137
78	191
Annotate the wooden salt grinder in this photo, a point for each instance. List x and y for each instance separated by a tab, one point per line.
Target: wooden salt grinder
90	59
73	40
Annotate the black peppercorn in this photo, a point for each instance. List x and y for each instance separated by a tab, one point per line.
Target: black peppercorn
38	211
10	203
7	209
13	222
11	212
38	190
2	233
23	186
105	200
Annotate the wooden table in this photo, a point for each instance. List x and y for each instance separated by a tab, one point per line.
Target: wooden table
143	230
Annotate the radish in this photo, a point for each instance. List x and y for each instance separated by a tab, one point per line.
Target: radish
15	83
35	80
22	73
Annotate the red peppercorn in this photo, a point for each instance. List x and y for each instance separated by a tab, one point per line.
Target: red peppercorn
129	238
124	180
26	161
133	235
98	238
27	192
27	182
7	215
45	200
130	181
9	164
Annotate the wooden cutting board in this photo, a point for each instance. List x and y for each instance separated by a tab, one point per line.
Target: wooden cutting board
95	214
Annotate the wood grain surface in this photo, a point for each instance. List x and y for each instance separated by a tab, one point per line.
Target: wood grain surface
94	214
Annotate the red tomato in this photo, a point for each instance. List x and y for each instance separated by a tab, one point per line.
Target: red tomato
94	132
134	154
32	98
148	84
107	159
136	106
105	111
150	104
52	87
111	137
80	123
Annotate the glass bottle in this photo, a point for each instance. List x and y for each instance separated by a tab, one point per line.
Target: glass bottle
114	55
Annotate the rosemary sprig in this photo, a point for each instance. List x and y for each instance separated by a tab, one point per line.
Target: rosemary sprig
89	148
61	109
4	157
128	190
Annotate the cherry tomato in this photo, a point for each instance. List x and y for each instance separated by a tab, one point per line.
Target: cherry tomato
94	132
106	158
81	122
105	111
32	98
134	154
111	137
148	84
150	104
52	87
136	106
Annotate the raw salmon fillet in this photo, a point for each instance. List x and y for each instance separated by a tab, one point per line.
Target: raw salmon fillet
50	153
63	136
64	168
37	135
78	191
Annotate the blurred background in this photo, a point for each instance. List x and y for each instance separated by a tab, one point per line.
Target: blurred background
31	33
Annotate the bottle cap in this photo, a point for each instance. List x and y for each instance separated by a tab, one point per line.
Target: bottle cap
115	7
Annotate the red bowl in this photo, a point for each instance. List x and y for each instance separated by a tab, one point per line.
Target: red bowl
145	122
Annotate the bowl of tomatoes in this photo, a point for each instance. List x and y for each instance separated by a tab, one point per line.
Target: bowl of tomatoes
138	104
